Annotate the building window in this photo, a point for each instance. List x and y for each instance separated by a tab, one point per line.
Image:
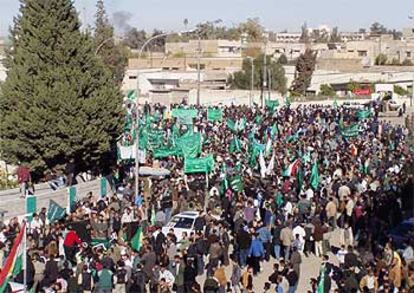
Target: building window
362	53
408	54
132	77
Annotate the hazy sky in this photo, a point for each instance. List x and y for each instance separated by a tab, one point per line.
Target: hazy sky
275	15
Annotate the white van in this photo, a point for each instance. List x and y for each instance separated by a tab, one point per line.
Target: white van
183	222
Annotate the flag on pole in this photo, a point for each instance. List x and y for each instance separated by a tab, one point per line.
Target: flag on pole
30	207
55	211
237	183
71	198
335	103
287	101
321	283
293	168
235	145
14	262
314	179
103	187
262	164
214	115
268	148
132	95
136	241
274	131
271	165
153	219
223	176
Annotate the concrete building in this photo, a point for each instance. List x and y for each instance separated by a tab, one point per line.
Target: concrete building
171	86
363	53
408	33
352	36
228	64
402	76
286	37
209	48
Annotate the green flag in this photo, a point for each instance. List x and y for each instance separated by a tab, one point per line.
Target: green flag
274	131
231	125
166	152
363	114
255	150
103	188
71	198
272	104
287	101
136	241
321	283
184	113
314	179
279	199
30	207
199	165
55	211
258	119
335	103
132	95
350	131
214	114
292	138
190	145
235	145
153	219
225	181
237	183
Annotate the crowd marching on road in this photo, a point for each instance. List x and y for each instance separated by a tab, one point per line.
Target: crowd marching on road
275	183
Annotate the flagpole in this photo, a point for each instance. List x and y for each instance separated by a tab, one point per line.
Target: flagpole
25	257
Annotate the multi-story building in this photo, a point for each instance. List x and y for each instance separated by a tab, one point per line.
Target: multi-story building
352	36
207	48
286	37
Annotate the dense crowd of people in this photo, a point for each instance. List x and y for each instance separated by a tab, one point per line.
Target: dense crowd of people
313	190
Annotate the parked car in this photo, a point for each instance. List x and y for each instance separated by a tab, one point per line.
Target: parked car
183	222
393	105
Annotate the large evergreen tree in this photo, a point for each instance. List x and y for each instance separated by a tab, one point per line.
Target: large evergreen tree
59	101
305	66
113	55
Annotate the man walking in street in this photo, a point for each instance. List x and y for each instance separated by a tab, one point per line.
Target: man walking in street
24	178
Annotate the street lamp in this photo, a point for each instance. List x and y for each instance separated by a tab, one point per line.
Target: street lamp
251	80
265	39
137	102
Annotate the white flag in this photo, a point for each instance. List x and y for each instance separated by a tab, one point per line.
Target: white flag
262	163
271	165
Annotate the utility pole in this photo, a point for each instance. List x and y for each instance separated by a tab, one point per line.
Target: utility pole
264	76
265	36
198	70
270	83
251	83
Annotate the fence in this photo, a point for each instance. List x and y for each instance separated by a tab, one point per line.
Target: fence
65	197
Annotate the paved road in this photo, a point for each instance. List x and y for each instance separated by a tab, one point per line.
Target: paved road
309	269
